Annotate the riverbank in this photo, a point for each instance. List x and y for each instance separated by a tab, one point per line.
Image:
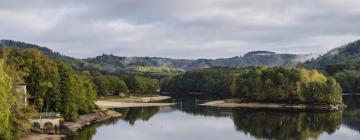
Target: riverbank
325	107
82	122
90	119
35	136
112	104
132	101
135	99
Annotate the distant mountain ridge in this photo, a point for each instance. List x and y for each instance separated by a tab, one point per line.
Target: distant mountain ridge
256	58
113	63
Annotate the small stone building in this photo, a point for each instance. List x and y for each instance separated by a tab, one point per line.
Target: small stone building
21	96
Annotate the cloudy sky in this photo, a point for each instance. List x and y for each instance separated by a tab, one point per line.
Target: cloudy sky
181	28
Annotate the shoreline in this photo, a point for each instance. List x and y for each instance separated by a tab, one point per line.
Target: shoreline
113	104
133	101
70	128
90	119
136	99
257	105
36	136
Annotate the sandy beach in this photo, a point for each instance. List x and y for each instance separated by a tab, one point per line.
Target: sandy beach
222	103
112	104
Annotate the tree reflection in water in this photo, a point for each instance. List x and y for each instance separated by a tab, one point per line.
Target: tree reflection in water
351	115
285	125
138	113
261	124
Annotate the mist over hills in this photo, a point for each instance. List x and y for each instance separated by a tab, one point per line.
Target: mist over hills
346	53
111	63
255	58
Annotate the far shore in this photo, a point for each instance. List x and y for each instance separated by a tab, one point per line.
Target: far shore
325	107
113	104
132	101
135	99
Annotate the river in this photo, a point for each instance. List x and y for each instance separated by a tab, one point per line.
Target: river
188	121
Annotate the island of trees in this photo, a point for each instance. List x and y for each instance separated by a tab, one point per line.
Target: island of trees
259	84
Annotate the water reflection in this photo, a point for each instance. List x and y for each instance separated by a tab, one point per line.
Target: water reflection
351	115
285	125
187	120
137	113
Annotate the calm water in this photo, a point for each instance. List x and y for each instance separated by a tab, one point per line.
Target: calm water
191	122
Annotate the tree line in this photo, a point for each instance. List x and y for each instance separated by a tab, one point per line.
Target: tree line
212	81
55	86
263	84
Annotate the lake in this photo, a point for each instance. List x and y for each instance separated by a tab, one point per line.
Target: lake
191	122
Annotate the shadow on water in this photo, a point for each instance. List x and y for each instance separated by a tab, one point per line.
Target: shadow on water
285	125
131	115
351	115
260	124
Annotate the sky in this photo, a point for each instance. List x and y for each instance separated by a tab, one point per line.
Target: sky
181	28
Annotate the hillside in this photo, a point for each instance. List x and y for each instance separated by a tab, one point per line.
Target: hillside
256	58
115	64
74	62
347	53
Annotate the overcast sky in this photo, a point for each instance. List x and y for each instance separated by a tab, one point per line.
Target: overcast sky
181	28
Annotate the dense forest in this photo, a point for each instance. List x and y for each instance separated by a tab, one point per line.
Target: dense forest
262	84
120	66
212	80
286	85
343	64
290	125
55	86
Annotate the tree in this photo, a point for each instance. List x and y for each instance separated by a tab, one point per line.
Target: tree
68	92
110	85
142	85
5	103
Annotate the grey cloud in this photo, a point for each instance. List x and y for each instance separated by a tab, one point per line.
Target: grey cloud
181	28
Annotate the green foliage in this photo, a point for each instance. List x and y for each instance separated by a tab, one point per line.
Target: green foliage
52	86
78	92
349	80
86	94
5	103
110	85
286	85
343	63
161	69
261	84
213	81
347	53
68	92
288	125
142	85
14	119
138	113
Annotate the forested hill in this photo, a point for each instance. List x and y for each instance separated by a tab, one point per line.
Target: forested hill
77	64
111	63
347	53
23	45
256	58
